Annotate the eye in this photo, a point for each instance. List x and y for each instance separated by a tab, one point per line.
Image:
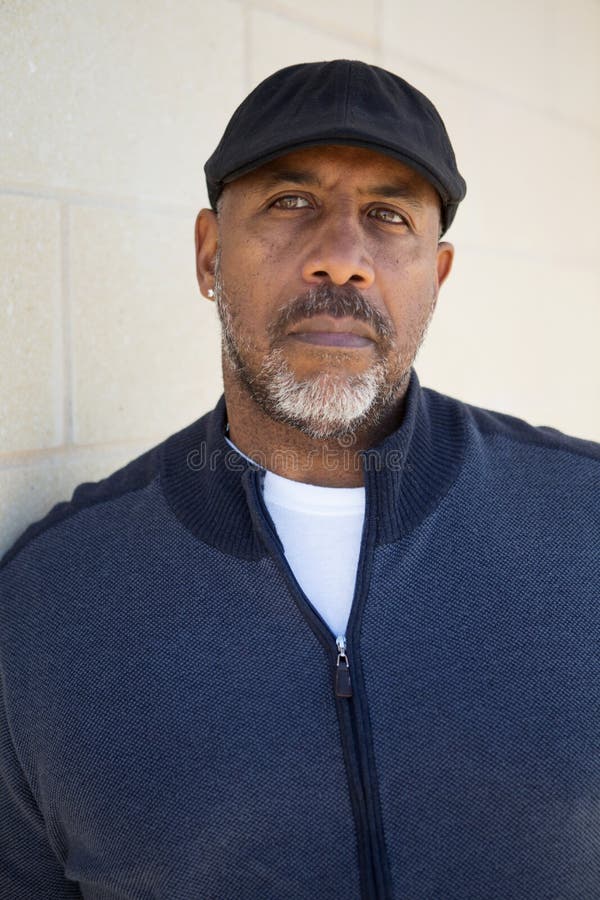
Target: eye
387	215
291	201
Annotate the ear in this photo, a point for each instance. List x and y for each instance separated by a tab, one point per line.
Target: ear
207	240
445	257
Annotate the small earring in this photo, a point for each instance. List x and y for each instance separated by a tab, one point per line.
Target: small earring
210	293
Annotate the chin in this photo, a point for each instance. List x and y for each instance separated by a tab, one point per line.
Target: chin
326	405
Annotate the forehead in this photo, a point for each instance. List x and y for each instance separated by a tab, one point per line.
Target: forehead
331	165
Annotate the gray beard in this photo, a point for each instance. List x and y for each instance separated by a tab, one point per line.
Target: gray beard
327	405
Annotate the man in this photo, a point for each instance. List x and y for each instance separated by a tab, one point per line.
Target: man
338	637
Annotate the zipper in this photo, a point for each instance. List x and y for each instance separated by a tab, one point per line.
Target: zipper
354	728
343	684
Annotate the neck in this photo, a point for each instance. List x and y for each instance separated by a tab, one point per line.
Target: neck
287	451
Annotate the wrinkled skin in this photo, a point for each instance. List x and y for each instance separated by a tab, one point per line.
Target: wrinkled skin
328	267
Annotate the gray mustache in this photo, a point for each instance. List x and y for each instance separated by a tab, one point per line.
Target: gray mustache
334	302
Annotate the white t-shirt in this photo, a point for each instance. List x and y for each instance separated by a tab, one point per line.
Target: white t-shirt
321	530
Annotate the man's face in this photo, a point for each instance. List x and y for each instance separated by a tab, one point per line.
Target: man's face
327	274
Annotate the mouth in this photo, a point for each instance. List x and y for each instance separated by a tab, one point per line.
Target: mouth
326	331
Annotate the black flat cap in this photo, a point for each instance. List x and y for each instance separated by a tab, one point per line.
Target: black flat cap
338	102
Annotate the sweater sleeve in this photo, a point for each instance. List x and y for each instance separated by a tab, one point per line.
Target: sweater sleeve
29	868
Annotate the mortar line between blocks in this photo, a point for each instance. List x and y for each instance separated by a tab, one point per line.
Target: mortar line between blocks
59	456
313	22
67	359
247	14
75	197
378	14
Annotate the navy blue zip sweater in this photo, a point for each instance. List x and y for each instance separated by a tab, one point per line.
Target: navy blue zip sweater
171	728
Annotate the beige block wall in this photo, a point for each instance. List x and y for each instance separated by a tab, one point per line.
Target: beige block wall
107	114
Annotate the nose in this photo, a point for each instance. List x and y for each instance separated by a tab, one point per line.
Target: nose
338	253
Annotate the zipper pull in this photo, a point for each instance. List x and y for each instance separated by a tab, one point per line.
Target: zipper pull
343	685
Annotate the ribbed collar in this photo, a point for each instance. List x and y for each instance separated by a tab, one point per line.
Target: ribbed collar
206	482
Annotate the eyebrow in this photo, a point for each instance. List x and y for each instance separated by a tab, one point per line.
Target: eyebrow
272	179
397	189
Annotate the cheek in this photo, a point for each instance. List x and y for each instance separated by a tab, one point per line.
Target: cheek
241	273
248	294
240	261
259	270
268	249
410	293
254	264
410	277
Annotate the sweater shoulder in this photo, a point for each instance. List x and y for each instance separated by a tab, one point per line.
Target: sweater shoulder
489	423
135	475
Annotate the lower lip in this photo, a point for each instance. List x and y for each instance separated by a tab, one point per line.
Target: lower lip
345	339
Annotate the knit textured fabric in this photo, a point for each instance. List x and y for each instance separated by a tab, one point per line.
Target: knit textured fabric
169	722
